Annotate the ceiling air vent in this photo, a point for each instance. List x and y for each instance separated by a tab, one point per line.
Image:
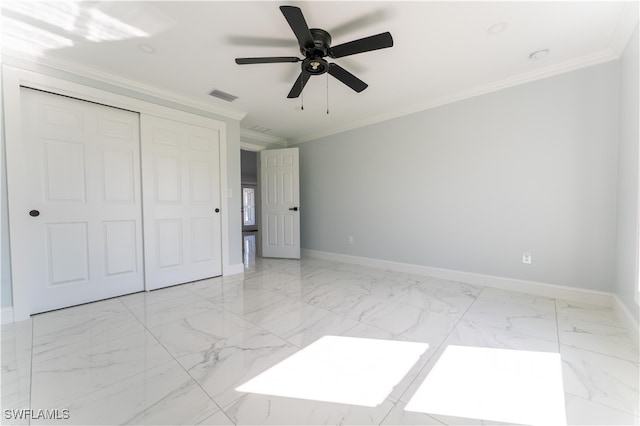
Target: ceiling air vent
258	128
222	95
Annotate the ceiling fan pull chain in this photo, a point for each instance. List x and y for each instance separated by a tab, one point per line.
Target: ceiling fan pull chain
327	94
301	96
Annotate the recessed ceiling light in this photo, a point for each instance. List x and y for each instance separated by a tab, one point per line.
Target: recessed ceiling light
146	48
497	28
539	54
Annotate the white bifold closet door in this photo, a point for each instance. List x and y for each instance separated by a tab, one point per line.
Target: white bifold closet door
77	223
181	190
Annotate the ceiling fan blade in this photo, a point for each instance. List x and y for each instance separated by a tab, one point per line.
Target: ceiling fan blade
367	44
347	78
296	21
299	85
267	60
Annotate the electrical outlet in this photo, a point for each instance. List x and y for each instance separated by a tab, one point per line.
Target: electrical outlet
526	258
350	240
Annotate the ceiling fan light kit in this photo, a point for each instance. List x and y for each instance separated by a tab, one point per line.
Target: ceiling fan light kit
315	45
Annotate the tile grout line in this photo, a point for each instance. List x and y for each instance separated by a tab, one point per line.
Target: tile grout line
555	309
560	344
286	340
178	363
434	354
528	334
440	345
243	319
251	322
134	375
231	403
321	308
608	407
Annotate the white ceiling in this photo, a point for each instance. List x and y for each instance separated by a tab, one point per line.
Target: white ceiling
442	51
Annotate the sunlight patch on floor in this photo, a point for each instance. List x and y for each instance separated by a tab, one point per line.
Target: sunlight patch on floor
345	370
501	385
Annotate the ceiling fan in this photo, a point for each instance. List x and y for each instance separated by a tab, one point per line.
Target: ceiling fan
315	45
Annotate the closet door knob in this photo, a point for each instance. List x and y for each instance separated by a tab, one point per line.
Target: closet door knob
34	213
217	210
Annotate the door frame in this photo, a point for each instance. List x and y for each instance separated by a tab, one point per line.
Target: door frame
264	228
14	78
247	146
254	227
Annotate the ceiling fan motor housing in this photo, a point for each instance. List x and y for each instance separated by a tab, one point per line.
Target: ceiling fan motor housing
313	62
321	41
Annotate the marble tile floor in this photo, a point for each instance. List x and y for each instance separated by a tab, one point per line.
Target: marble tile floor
177	355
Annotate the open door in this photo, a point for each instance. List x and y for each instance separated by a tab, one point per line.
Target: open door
279	173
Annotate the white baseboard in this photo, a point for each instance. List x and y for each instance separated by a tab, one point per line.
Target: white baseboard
592	297
627	319
7	315
238	268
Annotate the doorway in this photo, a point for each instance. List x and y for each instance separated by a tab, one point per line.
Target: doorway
250	210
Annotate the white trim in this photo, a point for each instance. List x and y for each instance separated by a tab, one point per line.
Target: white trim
7	315
125	83
592	297
561	68
251	147
13	131
224	201
625	26
627	319
252	136
13	79
636	296
235	269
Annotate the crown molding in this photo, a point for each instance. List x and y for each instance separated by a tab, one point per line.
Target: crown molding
251	147
602	56
625	27
253	136
122	82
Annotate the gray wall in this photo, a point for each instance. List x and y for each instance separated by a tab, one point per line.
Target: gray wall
233	167
471	185
627	254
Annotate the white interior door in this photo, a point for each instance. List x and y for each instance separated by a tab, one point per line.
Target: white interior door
279	172
78	201
181	190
